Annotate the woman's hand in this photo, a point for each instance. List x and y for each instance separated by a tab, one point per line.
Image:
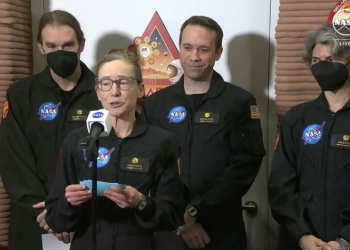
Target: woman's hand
77	194
124	198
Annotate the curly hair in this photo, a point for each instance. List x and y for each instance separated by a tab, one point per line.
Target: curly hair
327	34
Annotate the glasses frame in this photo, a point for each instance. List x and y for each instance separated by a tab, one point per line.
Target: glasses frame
116	81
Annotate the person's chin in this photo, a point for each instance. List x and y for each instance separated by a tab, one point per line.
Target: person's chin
117	112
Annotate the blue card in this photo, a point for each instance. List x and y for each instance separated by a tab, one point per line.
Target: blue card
101	186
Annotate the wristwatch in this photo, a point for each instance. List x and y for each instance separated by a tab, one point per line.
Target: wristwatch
142	203
344	245
192	211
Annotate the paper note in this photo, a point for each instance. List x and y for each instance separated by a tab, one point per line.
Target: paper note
50	242
101	186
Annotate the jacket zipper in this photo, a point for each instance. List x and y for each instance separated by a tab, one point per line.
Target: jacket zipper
325	177
190	149
115	227
120	141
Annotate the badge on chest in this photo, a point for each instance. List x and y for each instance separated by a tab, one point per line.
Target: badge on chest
134	164
207	117
48	111
77	115
313	133
340	141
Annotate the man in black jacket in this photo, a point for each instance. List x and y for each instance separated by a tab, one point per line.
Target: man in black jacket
39	112
218	129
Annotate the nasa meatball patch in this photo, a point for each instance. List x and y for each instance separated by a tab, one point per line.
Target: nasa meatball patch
48	111
177	114
313	133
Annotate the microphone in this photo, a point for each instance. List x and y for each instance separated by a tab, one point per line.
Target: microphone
99	123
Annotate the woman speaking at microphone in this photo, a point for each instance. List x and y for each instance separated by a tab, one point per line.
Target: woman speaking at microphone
142	157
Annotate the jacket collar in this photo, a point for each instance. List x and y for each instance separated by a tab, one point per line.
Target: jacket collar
321	102
85	83
138	128
217	85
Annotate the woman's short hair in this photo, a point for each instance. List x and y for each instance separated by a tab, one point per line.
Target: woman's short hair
327	34
126	56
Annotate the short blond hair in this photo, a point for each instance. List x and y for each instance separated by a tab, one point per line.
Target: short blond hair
126	56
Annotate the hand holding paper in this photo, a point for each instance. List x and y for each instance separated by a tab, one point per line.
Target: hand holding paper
77	194
124	198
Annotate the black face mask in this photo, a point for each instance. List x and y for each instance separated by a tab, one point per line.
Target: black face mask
330	75
62	62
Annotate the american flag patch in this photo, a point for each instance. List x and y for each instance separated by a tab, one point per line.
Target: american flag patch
254	112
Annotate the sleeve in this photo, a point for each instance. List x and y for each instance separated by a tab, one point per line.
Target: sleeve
248	150
167	200
61	216
287	205
345	232
18	167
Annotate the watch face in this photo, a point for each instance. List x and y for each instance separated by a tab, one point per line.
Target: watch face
142	205
192	211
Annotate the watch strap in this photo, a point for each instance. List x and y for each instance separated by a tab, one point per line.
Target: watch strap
142	203
344	245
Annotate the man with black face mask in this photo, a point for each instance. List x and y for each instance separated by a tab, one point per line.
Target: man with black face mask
309	185
39	112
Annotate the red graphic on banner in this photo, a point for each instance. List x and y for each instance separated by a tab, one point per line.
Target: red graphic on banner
342	7
159	57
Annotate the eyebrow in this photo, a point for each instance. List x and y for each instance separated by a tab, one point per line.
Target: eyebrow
201	46
68	43
315	57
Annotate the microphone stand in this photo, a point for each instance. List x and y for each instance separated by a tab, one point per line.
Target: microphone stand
89	146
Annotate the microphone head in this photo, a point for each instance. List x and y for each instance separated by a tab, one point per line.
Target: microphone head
99	118
97	124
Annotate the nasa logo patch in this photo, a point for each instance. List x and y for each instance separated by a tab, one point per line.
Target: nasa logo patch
48	111
104	156
177	114
97	115
313	133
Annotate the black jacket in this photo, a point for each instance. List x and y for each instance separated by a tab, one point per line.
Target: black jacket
31	136
145	160
309	185
221	150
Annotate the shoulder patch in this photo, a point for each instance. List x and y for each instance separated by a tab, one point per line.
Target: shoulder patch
254	112
5	109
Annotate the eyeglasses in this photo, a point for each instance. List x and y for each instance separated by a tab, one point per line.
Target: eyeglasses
123	83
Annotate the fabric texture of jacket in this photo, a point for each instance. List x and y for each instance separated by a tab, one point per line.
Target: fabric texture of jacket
309	185
145	160
31	135
221	151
